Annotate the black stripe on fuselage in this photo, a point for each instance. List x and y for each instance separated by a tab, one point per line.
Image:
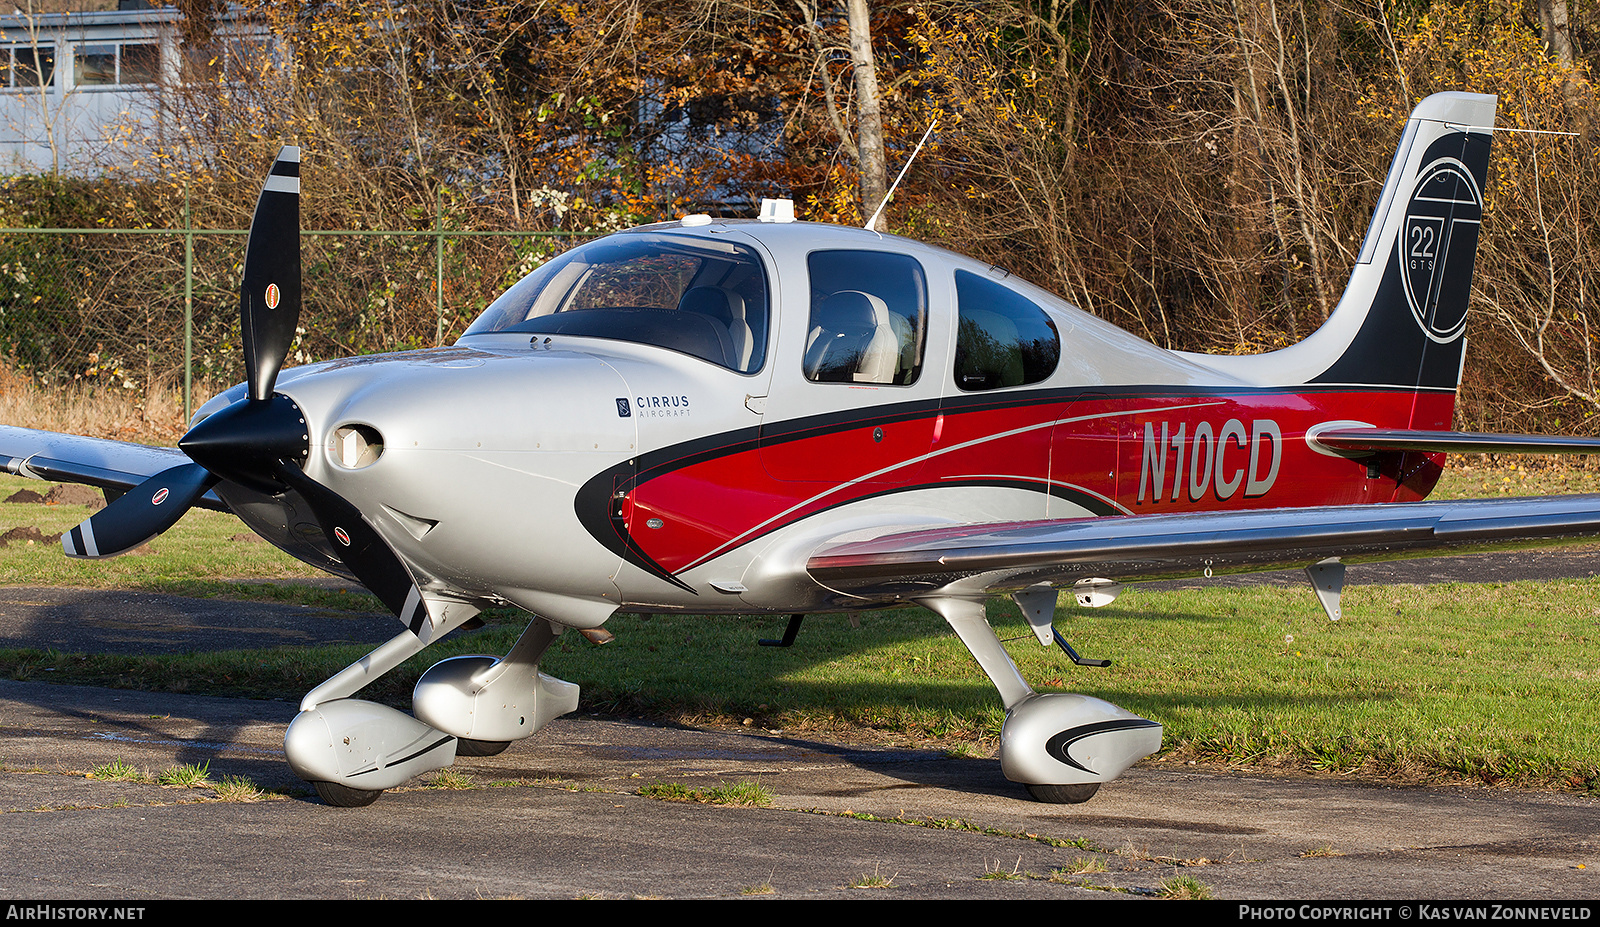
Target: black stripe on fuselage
592	502
812	426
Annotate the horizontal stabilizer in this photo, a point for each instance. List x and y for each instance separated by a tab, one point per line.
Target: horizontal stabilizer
1360	442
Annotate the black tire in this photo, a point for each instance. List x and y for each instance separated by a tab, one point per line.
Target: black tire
1064	794
465	747
343	796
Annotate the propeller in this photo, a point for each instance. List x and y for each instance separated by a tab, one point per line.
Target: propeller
261	441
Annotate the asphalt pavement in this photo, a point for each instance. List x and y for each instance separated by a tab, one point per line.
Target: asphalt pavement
560	816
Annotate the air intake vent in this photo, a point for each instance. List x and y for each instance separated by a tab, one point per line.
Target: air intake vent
356	446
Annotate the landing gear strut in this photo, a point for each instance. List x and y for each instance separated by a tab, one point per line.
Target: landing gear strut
351	750
1061	746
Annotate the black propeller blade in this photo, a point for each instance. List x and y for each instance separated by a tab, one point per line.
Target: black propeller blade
269	297
229	444
260	441
139	514
361	548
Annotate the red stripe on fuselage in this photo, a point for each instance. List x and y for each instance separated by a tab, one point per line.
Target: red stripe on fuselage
1145	453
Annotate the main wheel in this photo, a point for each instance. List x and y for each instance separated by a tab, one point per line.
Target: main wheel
343	796
465	747
1064	794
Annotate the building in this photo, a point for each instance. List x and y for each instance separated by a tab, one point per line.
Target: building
81	86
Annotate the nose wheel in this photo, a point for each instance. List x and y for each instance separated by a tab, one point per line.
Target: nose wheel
352	750
1064	794
343	796
465	747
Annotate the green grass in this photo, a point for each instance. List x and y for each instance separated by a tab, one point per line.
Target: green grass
1000	874
238	789
187	776
1410	683
1472	478
873	879
745	793
1481	682
452	778
1185	888
118	770
185	561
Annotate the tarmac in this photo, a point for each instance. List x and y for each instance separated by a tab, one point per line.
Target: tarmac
560	816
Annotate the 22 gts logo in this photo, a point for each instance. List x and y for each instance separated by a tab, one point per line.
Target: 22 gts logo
1219	460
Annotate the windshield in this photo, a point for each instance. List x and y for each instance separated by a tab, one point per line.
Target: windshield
707	299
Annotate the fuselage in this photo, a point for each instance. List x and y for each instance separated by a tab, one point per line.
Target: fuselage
566	470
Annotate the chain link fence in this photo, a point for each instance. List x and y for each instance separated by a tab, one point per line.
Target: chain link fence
128	309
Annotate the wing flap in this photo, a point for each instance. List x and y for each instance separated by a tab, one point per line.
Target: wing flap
1006	557
117	466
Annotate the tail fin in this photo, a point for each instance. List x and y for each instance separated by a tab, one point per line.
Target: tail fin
1402	318
1407	297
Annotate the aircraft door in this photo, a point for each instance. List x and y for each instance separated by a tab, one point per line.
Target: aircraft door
850	401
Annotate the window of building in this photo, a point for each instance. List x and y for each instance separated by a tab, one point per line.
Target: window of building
1003	339
28	66
869	318
96	65
239	59
140	64
246	58
117	65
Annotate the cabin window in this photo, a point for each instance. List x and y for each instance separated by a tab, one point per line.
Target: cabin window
869	318
1003	338
707	299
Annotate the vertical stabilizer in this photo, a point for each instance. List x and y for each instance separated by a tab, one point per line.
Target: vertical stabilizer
1414	275
1401	321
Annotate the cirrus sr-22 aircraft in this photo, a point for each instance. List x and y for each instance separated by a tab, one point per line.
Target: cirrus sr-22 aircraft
769	416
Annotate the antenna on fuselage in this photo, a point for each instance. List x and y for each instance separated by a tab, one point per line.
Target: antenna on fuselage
887	196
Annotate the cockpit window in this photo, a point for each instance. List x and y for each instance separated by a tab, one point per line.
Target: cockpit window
703	298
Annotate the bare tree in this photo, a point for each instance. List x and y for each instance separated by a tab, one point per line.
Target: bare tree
865	146
871	160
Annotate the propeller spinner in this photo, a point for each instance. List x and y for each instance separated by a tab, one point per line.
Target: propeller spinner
261	441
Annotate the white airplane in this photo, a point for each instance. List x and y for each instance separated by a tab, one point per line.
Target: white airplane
767	416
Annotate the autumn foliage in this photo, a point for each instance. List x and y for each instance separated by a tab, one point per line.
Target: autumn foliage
1200	172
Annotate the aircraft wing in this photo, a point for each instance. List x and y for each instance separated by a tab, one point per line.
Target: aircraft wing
1008	557
113	466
